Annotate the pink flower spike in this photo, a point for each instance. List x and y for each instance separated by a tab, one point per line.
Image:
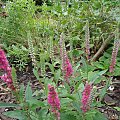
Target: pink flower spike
6	79
114	56
54	101
3	61
66	65
69	70
86	97
5	67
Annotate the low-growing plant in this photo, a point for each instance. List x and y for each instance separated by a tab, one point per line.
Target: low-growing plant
18	56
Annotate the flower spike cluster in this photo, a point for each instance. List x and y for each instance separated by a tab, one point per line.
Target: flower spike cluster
6	69
86	97
54	101
66	65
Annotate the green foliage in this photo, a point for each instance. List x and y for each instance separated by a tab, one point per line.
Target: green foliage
104	62
8	105
18	114
95	115
18	56
28	92
19	20
27	31
117	108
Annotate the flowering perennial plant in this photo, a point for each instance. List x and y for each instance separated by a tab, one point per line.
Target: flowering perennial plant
86	97
114	55
54	101
66	65
68	69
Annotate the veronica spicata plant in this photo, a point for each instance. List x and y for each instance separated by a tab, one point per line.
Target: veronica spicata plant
54	101
6	69
66	65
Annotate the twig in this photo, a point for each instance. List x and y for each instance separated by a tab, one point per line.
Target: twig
102	48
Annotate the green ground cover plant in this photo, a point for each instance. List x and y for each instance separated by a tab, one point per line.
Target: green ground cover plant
73	46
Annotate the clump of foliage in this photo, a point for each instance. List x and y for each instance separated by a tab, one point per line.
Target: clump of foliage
77	63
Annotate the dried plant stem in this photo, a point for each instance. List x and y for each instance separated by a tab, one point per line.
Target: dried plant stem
102	48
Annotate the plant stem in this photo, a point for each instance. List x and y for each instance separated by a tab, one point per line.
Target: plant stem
102	48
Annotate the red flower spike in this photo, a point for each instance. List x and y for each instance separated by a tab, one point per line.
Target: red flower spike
54	101
86	97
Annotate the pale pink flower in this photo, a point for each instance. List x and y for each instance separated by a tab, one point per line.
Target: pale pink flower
86	97
66	65
114	56
54	101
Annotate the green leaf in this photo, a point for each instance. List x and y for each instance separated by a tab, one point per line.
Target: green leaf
65	101
50	66
103	91
76	67
2	105
35	71
99	116
21	93
14	76
117	108
84	65
70	97
95	75
18	114
34	116
28	92
36	102
65	116
81	87
42	114
99	65
90	115
77	107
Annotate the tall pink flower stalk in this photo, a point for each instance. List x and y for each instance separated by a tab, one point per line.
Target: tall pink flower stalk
6	69
114	56
54	101
86	97
66	65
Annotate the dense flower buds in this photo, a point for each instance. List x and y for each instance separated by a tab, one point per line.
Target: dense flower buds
3	61
54	101
6	78
68	69
66	65
114	55
6	69
86	97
